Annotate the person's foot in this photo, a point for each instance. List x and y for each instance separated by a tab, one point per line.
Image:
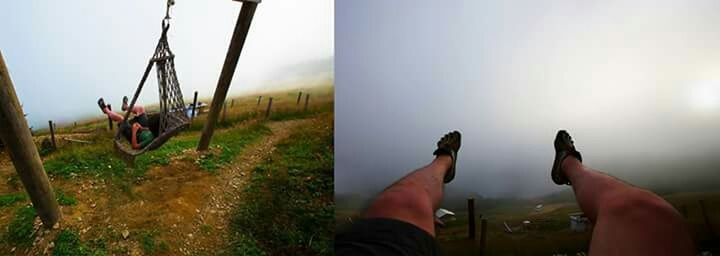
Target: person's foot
125	103
101	104
564	147
449	145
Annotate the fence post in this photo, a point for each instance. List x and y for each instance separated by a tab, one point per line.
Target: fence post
232	103
483	236
224	112
15	134
298	99
110	126
471	218
194	107
267	112
52	134
258	103
307	98
707	219
242	26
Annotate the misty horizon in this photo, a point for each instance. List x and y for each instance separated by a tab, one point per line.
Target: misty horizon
636	84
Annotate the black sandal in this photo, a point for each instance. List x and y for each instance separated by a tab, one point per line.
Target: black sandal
101	104
449	145
564	147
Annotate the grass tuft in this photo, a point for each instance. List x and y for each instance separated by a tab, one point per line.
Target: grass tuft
10	199
20	230
68	243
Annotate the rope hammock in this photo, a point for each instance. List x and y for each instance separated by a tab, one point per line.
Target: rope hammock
172	117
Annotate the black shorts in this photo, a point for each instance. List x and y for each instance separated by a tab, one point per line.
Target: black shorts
385	237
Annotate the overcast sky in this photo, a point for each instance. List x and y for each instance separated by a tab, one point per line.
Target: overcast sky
637	84
63	55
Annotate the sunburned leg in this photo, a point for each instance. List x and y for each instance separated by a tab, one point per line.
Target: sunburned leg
628	220
415	197
114	116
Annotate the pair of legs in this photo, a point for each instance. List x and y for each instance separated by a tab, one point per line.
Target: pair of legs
628	220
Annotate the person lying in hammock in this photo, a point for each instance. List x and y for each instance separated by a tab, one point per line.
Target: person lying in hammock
137	133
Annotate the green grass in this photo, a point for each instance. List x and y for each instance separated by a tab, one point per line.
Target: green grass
64	199
150	244
20	229
100	160
231	143
288	208
68	243
10	199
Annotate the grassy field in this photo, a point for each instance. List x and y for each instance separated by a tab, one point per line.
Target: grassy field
175	201
549	232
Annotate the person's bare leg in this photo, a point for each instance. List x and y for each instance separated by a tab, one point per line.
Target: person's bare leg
114	116
415	197
628	220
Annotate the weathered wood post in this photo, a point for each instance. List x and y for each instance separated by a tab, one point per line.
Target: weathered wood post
483	236
110	126
52	133
258	103
307	99
232	103
267	111
224	112
15	134
194	107
471	218
231	59
707	219
298	99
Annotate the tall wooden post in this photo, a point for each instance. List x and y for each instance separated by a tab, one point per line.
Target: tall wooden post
15	134
483	236
307	99
267	111
52	134
258	103
298	99
224	112
231	59
707	219
194	107
110	126
471	218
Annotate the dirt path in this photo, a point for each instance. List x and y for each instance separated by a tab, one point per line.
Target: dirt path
180	205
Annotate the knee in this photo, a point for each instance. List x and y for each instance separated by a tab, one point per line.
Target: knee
640	205
405	201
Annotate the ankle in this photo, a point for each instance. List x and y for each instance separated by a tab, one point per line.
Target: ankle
569	165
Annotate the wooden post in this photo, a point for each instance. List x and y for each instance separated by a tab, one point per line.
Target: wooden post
231	59
707	219
224	112
483	236
74	124
298	99
110	126
232	103
267	112
52	134
471	218
194	107
307	98
258	103
15	134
